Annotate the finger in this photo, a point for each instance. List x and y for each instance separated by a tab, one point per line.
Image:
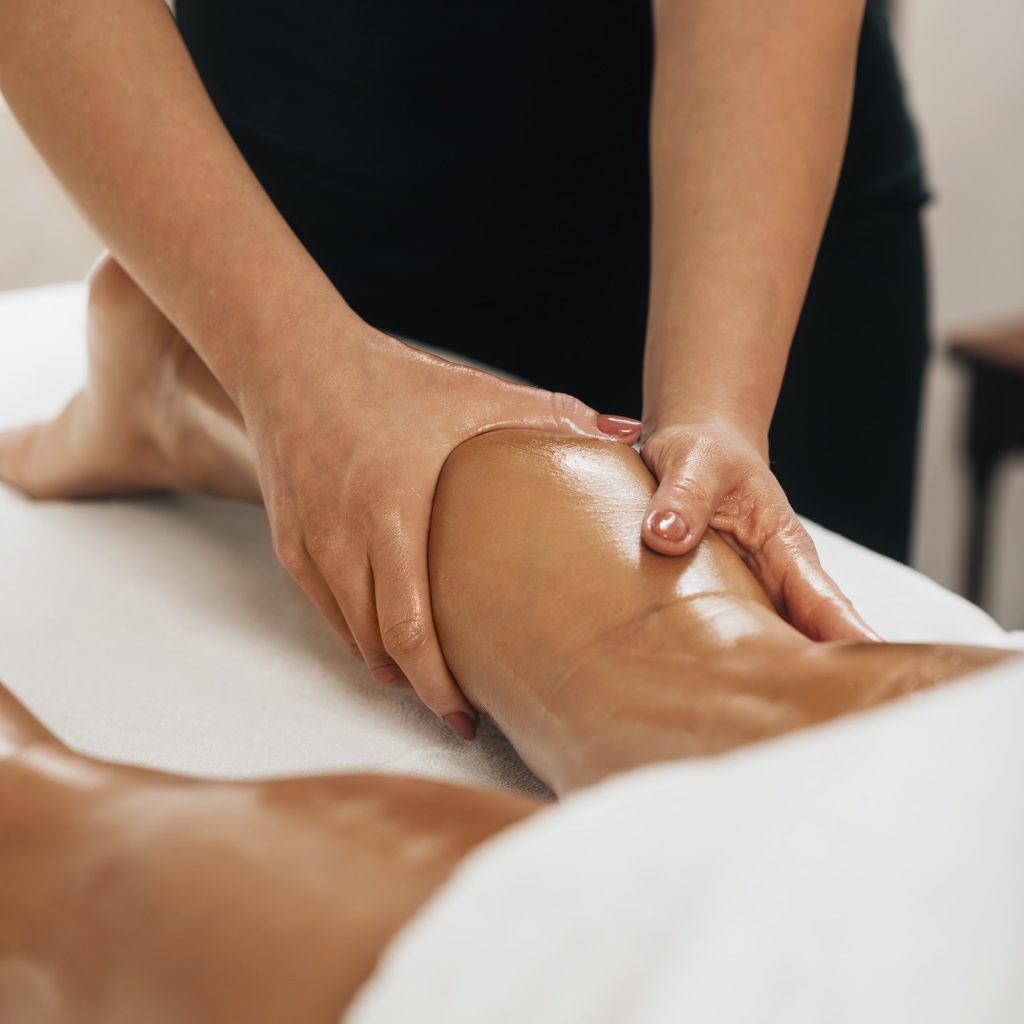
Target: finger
402	594
354	608
789	569
677	515
564	414
359	603
300	565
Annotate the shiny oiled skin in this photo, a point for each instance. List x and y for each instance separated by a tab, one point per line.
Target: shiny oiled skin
595	654
130	896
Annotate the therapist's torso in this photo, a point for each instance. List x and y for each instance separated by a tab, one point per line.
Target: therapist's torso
465	170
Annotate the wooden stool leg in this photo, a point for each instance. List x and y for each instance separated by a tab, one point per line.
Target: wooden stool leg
977	527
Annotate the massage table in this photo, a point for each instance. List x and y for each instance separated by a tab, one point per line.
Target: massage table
161	631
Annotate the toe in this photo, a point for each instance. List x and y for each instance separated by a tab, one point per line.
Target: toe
83	453
15	449
45	460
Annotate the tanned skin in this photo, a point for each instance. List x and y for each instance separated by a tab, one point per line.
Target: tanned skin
135	895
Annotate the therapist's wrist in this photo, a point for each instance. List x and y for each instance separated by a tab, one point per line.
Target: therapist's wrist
280	347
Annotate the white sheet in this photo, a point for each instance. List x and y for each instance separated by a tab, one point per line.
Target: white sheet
867	871
162	631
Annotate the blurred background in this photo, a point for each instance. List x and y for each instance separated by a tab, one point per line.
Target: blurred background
965	73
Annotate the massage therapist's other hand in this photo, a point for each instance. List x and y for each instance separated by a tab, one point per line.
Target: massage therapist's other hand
350	435
717	474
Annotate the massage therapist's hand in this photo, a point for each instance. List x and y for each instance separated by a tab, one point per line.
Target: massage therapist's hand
349	443
716	474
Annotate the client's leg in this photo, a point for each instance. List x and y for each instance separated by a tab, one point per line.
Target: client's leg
150	417
130	896
592	653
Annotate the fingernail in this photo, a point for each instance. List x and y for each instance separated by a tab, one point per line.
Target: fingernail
461	724
620	426
669	525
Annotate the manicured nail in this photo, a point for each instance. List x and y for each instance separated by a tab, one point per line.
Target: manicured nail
620	426
668	525
461	724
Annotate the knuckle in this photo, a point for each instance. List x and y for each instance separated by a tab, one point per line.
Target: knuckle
760	531
689	492
767	523
784	524
291	555
319	544
406	637
386	674
673	455
564	407
441	697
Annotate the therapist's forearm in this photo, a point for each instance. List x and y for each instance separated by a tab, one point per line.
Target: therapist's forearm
109	95
749	119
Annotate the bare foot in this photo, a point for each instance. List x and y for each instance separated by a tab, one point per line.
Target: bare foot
129	895
150	417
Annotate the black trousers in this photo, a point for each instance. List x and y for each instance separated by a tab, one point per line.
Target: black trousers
843	441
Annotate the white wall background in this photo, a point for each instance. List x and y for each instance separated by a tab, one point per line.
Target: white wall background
964	64
42	239
965	68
